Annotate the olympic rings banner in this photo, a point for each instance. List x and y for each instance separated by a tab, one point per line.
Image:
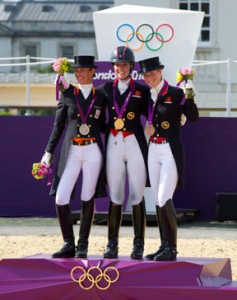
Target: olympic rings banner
171	34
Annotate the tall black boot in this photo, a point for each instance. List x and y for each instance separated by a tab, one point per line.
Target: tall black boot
114	221
86	219
139	223
65	221
169	225
159	218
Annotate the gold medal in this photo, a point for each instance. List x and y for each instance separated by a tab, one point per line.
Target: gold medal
84	129
119	124
149	130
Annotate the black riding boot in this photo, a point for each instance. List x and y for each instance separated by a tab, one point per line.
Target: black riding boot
139	222
65	221
86	219
169	226
159	218
114	221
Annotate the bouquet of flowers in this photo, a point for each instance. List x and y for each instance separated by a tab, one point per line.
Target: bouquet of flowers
40	171
185	74
184	77
61	66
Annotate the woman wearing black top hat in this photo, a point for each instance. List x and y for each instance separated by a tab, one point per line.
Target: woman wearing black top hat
81	112
126	150
165	153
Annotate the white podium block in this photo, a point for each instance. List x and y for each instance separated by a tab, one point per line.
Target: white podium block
171	34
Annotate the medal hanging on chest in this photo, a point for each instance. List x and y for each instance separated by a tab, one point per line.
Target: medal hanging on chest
119	123
84	129
149	129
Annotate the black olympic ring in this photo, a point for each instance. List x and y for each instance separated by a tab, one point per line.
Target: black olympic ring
148	38
152	32
94	280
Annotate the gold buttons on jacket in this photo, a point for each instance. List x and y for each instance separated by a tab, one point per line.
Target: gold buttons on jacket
130	115
165	124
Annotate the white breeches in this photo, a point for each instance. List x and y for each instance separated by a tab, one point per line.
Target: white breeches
123	158
163	172
86	158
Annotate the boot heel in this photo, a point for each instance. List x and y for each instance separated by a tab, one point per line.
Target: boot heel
111	250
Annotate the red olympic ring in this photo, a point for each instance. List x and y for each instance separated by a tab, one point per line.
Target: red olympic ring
172	33
148	38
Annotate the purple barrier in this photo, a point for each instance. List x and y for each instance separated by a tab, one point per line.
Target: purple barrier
211	164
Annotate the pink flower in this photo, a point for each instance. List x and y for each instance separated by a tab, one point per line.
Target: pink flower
57	64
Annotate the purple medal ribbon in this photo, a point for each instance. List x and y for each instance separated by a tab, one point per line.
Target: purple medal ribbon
151	109
84	117
120	112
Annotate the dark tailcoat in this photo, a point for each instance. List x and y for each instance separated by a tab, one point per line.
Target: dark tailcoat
68	119
137	106
167	120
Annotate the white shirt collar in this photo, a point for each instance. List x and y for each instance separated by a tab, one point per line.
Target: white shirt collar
155	91
85	89
123	85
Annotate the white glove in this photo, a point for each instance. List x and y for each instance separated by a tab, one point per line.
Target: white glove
63	80
189	94
182	86
56	79
183	120
47	159
189	85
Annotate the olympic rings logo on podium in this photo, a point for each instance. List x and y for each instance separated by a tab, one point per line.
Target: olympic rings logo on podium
94	276
129	33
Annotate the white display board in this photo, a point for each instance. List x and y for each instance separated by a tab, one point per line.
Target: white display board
171	34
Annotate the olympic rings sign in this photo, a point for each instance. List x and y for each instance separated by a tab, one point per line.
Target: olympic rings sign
94	276
125	33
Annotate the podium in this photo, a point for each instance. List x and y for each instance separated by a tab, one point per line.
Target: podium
40	277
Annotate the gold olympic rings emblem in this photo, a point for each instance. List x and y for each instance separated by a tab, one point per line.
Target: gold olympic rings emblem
87	280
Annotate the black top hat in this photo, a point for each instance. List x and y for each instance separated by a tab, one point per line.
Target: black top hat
84	61
150	64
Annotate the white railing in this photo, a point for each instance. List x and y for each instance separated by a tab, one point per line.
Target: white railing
44	60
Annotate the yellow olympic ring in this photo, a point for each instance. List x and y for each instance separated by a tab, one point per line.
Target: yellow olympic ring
94	279
142	43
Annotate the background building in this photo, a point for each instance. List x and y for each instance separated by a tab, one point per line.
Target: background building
54	28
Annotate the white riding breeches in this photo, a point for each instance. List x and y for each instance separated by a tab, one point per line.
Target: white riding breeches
162	171
124	160
86	158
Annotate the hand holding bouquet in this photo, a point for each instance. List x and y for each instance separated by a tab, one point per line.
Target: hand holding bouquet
184	77
40	171
61	66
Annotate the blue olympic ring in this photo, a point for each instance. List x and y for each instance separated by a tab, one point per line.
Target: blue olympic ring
148	38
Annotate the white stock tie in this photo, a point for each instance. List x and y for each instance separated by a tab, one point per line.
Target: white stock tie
154	94
86	89
122	86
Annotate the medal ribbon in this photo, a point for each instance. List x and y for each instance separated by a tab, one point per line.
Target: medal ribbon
84	117
120	112
162	92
